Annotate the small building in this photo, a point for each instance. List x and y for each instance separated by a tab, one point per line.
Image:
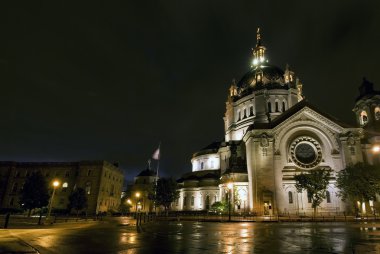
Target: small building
101	180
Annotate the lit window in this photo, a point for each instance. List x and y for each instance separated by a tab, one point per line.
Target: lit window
88	188
363	118
377	113
65	185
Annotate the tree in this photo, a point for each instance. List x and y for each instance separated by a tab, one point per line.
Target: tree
34	193
219	207
315	183
124	206
78	200
164	192
359	182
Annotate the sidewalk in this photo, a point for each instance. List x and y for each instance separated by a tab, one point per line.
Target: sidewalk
11	244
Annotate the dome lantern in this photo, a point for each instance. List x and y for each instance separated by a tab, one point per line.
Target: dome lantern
258	51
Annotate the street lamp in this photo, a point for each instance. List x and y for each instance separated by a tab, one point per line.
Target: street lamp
229	186
137	197
55	185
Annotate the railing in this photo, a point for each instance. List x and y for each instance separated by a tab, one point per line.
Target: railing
23	221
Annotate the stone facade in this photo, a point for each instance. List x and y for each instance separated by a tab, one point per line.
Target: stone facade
273	133
101	180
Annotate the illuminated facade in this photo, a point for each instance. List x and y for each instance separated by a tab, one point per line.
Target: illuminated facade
271	134
101	180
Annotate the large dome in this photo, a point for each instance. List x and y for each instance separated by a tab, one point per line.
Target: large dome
263	74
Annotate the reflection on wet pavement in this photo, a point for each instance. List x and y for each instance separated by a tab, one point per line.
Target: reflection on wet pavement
120	236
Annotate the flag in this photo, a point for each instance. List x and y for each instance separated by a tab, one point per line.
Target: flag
156	154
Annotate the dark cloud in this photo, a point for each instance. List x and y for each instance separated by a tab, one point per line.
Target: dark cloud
112	81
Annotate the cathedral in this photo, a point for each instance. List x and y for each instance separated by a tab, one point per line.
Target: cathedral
272	133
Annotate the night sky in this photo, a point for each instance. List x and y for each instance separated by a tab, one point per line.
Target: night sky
86	82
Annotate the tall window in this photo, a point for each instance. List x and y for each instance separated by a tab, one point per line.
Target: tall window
201	165
363	118
377	113
88	188
207	202
328	197
245	113
212	164
251	111
277	108
184	200
308	197
269	107
283	106
192	201
67	174
290	194
11	202
89	172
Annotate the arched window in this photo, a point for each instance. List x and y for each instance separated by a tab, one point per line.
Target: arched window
184	201
65	185
308	197
363	118
328	197
192	201
276	107
290	194
283	106
88	188
377	113
269	107
245	113
251	111
207	202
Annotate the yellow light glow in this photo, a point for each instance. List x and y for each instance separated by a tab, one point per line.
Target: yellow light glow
376	149
129	201
230	185
137	194
55	183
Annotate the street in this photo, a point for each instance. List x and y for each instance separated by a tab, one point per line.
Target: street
119	235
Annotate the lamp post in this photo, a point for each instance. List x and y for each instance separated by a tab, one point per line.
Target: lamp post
55	185
229	186
137	197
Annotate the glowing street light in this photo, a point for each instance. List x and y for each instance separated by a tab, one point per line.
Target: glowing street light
137	197
376	149
55	185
